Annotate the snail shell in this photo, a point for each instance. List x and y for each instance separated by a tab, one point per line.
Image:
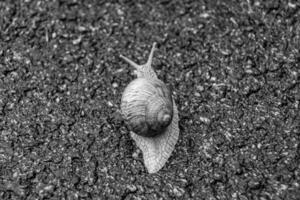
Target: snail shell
151	114
147	106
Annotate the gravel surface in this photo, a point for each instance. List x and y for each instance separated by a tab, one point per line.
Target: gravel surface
234	68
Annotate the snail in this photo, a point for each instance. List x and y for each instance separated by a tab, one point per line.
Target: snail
150	112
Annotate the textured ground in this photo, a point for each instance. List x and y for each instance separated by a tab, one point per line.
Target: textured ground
233	65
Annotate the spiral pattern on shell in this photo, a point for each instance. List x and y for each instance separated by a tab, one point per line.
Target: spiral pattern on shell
147	106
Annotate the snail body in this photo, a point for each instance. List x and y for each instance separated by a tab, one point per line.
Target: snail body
151	114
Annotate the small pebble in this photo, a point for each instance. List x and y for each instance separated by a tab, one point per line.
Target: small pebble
254	184
115	85
200	88
204	15
204	119
77	41
178	192
135	155
131	188
109	104
197	94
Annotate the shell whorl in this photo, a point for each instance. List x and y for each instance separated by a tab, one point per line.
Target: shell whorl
147	106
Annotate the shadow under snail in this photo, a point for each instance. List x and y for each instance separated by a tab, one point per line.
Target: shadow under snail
150	112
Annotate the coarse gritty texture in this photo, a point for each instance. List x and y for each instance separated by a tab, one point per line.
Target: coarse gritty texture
234	70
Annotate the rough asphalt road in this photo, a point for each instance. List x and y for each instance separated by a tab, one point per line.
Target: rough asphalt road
234	68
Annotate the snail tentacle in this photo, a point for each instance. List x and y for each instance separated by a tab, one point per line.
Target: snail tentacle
132	63
150	58
145	70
